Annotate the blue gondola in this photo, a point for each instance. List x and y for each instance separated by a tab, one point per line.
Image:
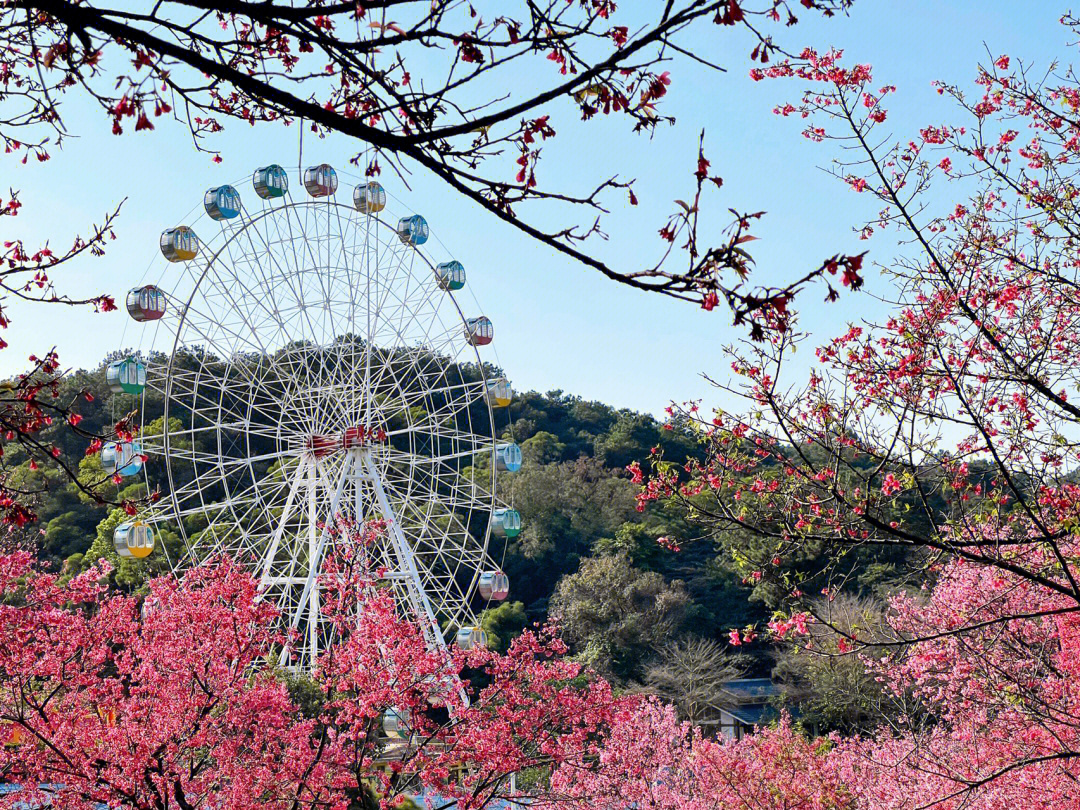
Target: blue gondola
222	202
508	457
122	458
413	230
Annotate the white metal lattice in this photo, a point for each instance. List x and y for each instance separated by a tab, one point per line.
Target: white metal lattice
311	368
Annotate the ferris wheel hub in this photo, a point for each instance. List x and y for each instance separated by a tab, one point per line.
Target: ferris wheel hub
352	438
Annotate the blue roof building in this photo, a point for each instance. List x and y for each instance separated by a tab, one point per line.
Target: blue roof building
752	702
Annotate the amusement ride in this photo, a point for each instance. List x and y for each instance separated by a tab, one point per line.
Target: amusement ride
305	367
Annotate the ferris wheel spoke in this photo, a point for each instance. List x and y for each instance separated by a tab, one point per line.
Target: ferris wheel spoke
237	298
443	458
432	366
448	521
345	230
467	495
255	262
470	391
403	373
212	341
448	418
291	325
156	441
226	362
191	505
207	472
309	263
239	307
246	411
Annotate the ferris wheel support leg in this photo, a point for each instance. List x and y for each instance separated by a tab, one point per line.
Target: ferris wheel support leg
417	596
275	542
309	598
313	561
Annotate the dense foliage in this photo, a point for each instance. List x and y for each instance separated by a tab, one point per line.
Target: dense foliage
583	537
173	699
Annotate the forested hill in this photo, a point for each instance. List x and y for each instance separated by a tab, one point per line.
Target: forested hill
584	552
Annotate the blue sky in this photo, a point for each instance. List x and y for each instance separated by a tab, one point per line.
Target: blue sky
558	325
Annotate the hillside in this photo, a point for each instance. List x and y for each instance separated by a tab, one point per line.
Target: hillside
622	594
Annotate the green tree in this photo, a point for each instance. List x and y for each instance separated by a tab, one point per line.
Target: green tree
67	534
129	574
503	624
542	448
629	439
831	683
613	614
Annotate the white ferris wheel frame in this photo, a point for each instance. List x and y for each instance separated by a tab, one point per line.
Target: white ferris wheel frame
430	558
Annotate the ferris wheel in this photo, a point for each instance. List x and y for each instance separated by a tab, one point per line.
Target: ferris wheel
306	367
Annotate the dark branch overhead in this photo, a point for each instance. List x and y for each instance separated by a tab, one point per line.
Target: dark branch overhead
423	84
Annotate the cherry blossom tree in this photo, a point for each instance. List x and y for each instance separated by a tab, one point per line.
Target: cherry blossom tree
946	431
32	400
153	711
985	695
173	699
991	696
652	761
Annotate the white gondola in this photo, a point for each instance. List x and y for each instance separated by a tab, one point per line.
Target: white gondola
179	244
413	230
222	202
450	275
499	393
133	540
146	303
479	331
127	376
270	181
469	637
369	198
321	180
493	586
508	457
122	458
506	522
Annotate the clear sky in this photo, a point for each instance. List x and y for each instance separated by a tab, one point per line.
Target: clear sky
558	325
